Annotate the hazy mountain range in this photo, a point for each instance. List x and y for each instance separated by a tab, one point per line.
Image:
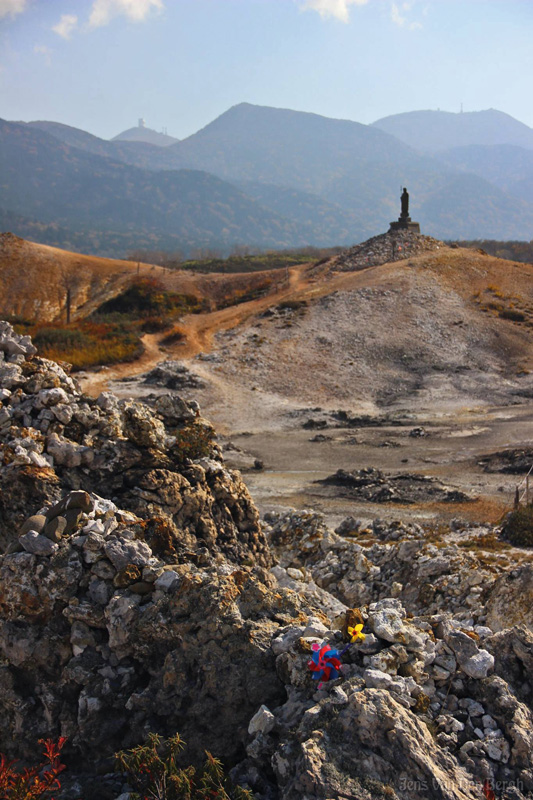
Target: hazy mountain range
267	177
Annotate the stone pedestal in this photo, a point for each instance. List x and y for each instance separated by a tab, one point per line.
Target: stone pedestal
404	224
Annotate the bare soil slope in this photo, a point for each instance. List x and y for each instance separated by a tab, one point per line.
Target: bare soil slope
34	279
444	330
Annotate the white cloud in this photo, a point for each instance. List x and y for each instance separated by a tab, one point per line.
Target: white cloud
103	11
66	25
340	9
44	51
10	8
398	15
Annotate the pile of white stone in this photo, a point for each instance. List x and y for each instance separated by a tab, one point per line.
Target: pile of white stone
387	247
394	559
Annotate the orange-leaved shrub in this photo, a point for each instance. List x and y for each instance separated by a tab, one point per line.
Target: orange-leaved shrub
33	783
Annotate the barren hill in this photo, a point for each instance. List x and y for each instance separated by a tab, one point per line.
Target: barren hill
363	349
34	279
444	328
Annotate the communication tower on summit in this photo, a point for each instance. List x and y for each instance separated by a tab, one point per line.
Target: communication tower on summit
141	122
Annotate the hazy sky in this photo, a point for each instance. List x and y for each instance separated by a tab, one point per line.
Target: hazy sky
101	64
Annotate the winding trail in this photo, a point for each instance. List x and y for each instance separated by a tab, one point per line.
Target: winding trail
197	331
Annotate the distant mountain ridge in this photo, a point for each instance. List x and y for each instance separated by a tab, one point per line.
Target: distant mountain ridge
56	183
431	131
266	177
284	147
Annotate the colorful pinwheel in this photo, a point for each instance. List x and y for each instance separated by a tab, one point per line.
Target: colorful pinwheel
324	663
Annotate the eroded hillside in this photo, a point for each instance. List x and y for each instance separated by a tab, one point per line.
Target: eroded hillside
35	280
446	328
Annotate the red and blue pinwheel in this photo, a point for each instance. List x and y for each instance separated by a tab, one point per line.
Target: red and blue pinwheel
325	663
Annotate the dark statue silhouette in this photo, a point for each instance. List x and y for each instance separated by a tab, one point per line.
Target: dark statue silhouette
404	221
405	202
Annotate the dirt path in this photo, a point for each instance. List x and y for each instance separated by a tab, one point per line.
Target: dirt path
198	331
95	382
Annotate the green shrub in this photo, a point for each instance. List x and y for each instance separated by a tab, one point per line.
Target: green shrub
147	297
154	774
518	527
511	314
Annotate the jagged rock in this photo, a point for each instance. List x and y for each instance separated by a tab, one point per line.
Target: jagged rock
159	616
173	375
510	601
170	646
375	486
513	462
157	460
392	732
39	545
513	659
122	551
384	248
403	562
387	623
262	721
13	344
141	427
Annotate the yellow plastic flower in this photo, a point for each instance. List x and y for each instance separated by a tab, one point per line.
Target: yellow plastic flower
355	633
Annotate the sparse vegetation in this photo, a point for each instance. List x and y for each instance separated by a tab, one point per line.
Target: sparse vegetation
518	527
488	541
146	298
503	305
113	333
212	261
33	783
246	295
512	250
153	772
86	343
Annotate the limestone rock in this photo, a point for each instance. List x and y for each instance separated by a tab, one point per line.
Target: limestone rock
158	459
401	564
175	647
510	601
